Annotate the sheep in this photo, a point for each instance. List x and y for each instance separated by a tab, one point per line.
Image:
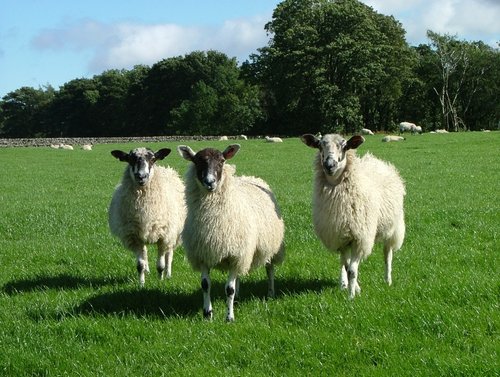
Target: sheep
273	139
233	223
417	130
223	138
389	138
441	131
66	146
87	147
406	126
366	131
243	137
356	202
148	207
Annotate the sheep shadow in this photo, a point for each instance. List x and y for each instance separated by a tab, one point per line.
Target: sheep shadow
160	304
58	282
153	303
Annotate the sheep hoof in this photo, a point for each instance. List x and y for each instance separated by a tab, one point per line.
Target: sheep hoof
207	314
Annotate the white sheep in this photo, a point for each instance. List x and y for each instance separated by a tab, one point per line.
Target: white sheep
233	222
243	137
417	130
66	146
356	201
223	138
273	139
366	131
441	131
148	207
389	138
87	147
407	127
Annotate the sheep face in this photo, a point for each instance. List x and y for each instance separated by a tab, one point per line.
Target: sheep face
141	162
332	150
209	164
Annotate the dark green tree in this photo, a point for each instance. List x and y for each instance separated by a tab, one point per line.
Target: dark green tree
23	112
330	66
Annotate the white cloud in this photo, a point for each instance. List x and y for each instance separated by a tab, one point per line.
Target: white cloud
468	19
123	45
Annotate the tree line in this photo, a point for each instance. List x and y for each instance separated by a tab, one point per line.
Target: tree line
329	66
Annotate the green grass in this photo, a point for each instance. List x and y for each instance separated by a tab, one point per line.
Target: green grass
71	306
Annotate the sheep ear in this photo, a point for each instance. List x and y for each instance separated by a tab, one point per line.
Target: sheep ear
231	151
162	153
186	152
120	155
354	142
310	140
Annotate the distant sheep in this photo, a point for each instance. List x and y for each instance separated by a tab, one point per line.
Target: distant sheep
273	139
418	130
66	146
389	138
407	127
441	131
356	201
366	131
243	137
148	207
87	147
233	222
223	138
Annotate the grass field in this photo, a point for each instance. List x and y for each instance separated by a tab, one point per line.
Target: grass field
70	304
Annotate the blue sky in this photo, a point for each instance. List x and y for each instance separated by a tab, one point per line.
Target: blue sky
54	41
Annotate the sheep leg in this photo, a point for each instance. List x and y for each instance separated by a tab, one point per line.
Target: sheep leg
388	263
344	266
352	275
142	264
270	280
164	261
205	287
230	291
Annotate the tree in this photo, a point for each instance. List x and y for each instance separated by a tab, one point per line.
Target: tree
199	93
71	111
330	66
22	111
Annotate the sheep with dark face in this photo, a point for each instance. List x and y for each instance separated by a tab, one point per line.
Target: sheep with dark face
233	223
356	202
148	207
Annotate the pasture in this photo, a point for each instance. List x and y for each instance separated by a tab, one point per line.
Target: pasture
71	305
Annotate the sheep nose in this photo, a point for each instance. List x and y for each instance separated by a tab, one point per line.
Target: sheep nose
209	182
141	178
330	164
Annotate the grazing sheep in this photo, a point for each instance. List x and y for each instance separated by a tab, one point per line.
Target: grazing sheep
233	222
223	138
366	131
66	146
356	201
273	139
87	147
406	127
389	138
417	130
243	137
148	207
441	131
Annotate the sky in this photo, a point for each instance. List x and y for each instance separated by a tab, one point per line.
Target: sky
51	42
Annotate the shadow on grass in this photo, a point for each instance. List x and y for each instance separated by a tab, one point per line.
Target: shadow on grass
142	303
160	304
63	281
